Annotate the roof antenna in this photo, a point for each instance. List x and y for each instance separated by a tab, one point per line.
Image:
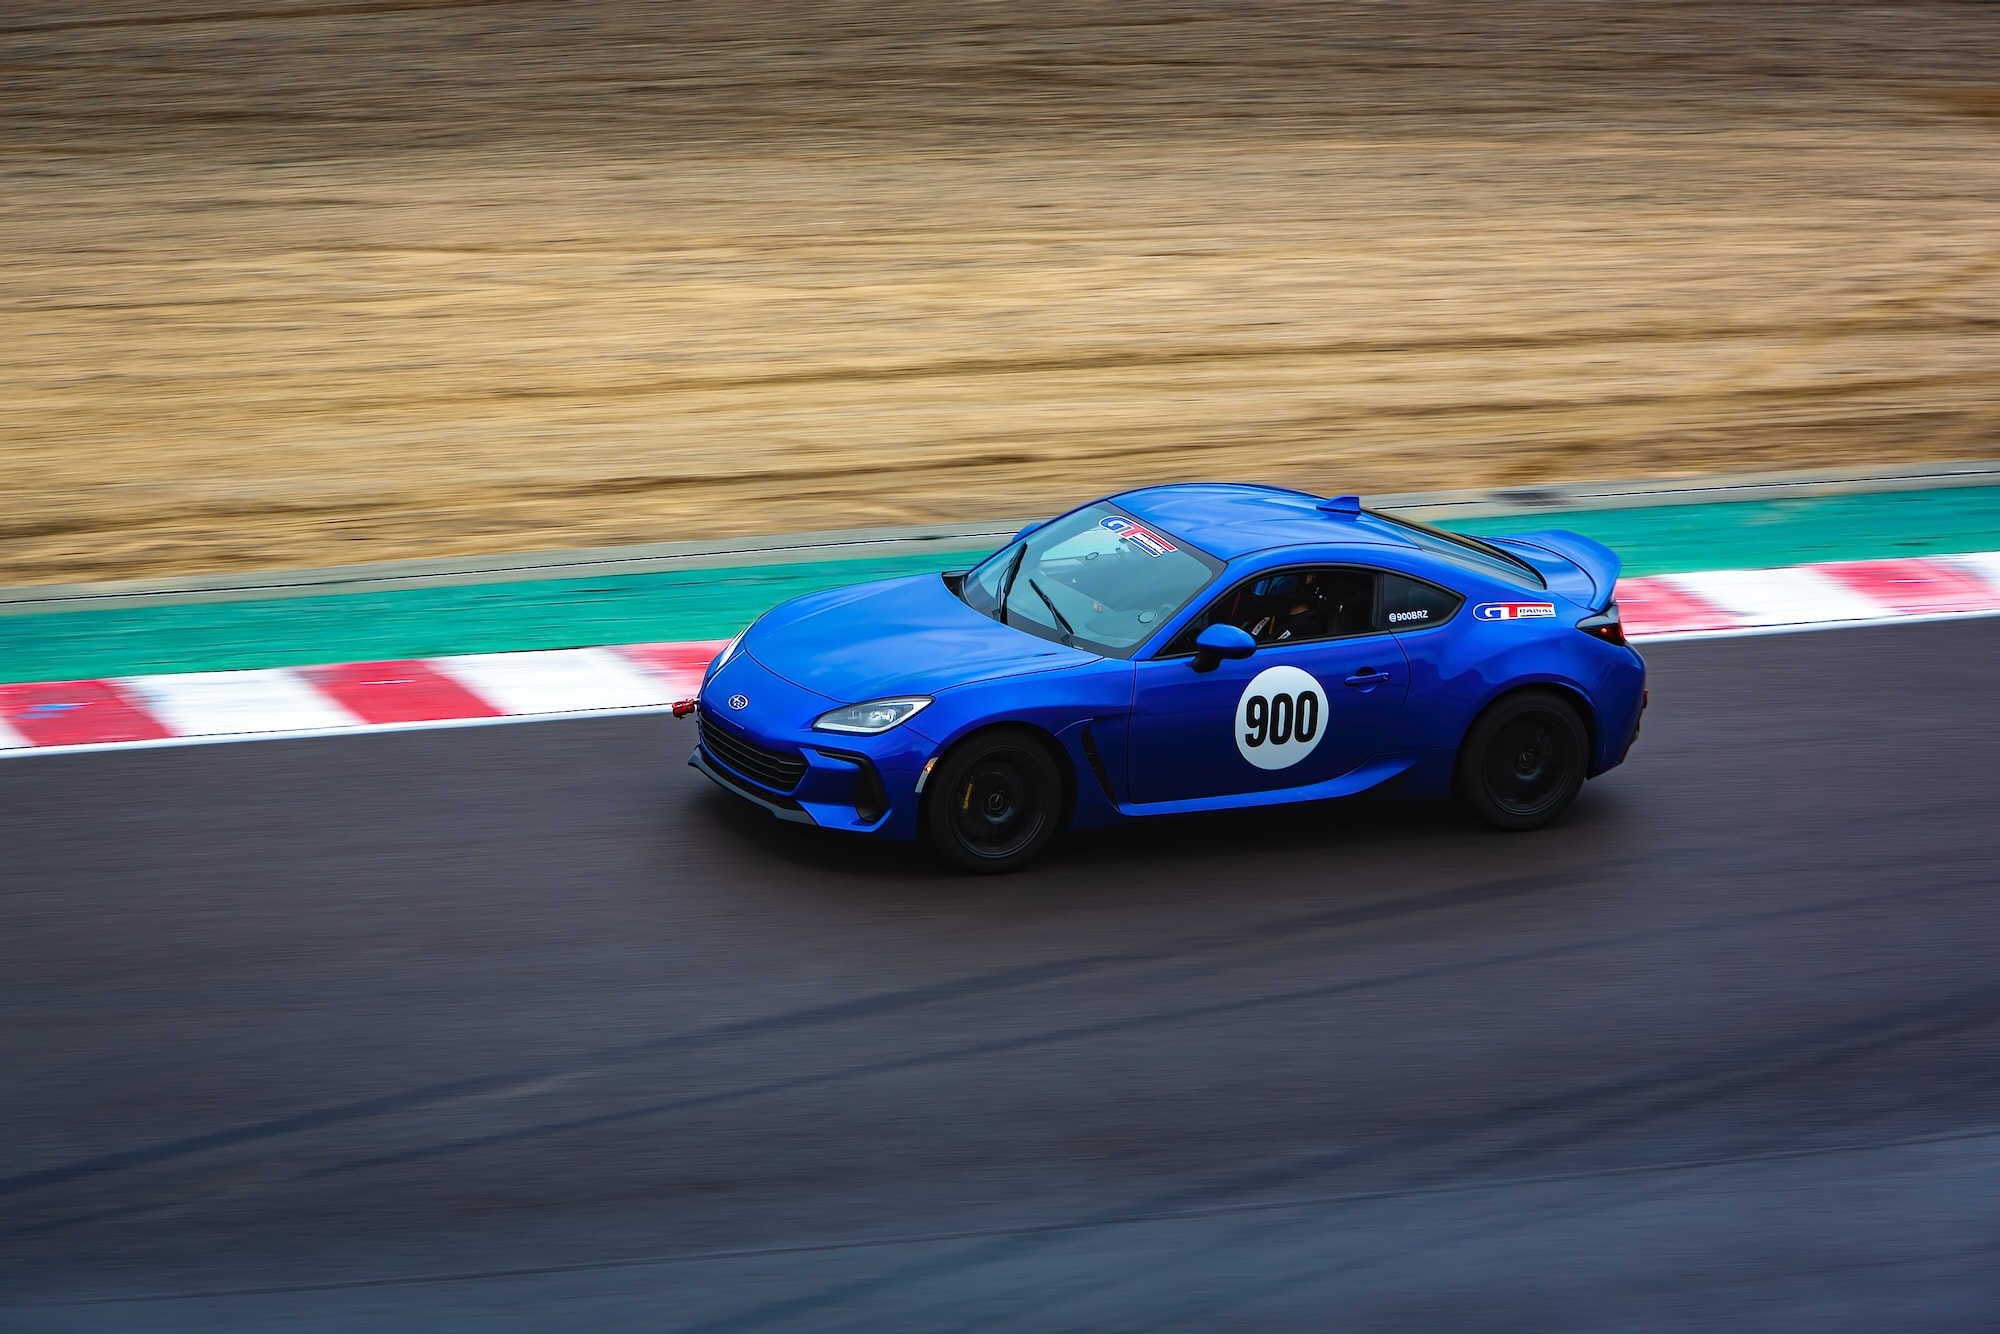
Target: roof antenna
1342	507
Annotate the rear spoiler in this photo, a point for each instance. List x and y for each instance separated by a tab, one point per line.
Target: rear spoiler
1578	567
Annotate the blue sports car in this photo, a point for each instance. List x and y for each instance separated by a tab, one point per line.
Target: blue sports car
1176	649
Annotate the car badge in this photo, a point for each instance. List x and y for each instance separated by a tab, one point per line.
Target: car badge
1513	611
739	701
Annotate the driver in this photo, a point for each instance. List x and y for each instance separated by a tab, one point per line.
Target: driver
1305	613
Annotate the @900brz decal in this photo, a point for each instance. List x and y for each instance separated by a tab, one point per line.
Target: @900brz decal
1280	718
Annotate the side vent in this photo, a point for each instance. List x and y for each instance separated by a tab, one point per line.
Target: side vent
1097	764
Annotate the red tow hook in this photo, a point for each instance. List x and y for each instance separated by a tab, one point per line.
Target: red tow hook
683	707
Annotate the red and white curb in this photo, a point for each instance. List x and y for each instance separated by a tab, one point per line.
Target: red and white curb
189	708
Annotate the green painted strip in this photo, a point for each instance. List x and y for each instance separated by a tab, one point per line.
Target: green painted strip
714	603
419	622
1765	534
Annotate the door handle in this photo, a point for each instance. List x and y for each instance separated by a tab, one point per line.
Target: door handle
1366	677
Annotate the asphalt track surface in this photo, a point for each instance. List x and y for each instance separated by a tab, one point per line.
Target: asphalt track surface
528	1028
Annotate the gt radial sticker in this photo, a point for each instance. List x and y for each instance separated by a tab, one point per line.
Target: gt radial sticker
1278	720
1143	538
1513	611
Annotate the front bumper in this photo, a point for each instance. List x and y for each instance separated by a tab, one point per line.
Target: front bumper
768	754
782	807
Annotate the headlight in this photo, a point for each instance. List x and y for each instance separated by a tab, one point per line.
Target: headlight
875	716
728	652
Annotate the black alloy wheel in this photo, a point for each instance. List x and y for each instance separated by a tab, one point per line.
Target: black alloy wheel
994	802
1523	761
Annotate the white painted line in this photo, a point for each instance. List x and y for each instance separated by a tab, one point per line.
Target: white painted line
1797	627
1793	596
571	680
11	739
236	703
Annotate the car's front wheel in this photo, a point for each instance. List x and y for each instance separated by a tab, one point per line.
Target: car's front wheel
1523	761
995	801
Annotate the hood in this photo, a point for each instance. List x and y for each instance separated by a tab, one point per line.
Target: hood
1582	570
909	636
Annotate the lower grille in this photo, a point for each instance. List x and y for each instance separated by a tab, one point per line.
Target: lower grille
778	770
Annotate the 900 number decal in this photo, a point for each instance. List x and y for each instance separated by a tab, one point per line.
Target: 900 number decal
1278	718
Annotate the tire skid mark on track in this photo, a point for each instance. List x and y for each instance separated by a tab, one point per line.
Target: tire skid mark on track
876	1006
1289	929
1931	1019
1064	1035
1293	1203
1799	1041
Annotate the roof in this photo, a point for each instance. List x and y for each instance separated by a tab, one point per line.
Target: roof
1231	520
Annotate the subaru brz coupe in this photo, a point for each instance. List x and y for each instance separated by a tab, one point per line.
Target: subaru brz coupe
1178	649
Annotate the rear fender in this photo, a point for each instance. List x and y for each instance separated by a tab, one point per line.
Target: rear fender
1568	690
1605	738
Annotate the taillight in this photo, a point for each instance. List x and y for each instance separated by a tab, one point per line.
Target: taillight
1605	625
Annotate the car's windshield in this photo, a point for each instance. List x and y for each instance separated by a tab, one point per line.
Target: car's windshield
1098	579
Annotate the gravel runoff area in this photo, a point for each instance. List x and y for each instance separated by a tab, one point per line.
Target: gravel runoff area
298	283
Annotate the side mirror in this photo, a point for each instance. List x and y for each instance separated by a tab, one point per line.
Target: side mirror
1218	642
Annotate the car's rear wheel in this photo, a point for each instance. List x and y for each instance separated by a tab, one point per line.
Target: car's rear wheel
995	801
1523	762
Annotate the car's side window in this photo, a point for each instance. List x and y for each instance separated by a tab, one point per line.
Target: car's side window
1412	604
1295	606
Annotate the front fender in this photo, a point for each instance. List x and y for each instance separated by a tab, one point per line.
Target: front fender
1081	709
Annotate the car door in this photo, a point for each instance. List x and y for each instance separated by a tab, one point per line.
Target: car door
1319	697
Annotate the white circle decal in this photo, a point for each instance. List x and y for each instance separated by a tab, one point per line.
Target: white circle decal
1280	718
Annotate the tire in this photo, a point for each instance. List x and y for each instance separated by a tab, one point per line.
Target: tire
1523	762
995	802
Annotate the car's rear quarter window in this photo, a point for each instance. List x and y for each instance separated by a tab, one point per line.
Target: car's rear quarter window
1413	604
